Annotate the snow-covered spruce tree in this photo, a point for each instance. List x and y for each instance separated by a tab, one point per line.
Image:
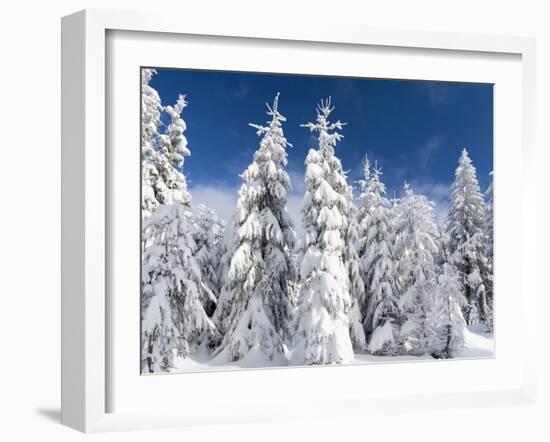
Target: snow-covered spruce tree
261	265
381	312
465	231
226	297
447	322
356	283
489	233
173	143
162	152
208	235
151	109
173	290
160	338
322	334
489	250
415	251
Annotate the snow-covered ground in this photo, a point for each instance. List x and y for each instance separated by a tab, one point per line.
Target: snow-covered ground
478	344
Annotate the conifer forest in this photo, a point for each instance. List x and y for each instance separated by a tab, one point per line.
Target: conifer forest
307	256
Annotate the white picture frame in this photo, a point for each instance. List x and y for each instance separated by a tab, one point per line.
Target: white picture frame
86	232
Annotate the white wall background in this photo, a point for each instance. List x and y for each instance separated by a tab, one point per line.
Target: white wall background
30	220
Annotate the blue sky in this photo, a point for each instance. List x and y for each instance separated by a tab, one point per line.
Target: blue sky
414	130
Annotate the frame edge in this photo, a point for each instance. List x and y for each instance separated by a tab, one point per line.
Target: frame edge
73	81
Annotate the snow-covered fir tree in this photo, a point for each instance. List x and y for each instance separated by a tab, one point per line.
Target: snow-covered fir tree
174	293
415	250
447	322
261	267
489	232
322	334
381	312
151	109
465	230
226	297
489	250
162	151
160	337
356	283
173	143
208	235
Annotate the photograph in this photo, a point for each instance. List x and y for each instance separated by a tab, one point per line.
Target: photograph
308	220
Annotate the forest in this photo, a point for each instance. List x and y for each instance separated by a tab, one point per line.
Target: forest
368	277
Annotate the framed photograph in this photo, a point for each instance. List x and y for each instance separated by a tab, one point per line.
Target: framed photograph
270	223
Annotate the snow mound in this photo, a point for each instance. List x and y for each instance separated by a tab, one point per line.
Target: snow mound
477	345
380	337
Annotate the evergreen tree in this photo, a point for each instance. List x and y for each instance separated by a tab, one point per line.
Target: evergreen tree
322	334
489	251
261	267
162	152
466	235
381	311
208	236
173	143
489	233
151	109
226	297
447	323
416	239
357	285
415	250
160	337
174	294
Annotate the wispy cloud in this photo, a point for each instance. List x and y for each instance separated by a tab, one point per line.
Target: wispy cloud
222	199
429	149
294	208
241	92
297	180
295	197
437	93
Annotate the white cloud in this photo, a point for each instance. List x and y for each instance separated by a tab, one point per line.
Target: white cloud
426	152
438	93
222	199
298	182
241	92
437	191
295	197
